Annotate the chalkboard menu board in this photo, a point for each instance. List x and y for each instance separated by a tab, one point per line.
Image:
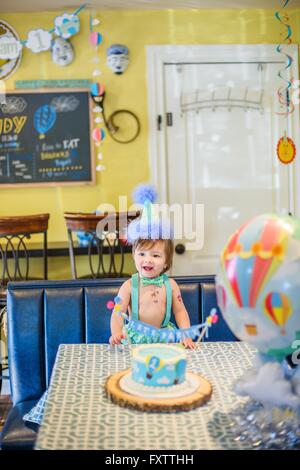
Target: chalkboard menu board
45	138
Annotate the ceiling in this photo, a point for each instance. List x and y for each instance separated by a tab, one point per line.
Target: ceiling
48	5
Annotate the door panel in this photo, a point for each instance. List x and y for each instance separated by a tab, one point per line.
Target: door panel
221	152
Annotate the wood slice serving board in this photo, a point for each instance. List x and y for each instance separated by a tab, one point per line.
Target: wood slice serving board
183	403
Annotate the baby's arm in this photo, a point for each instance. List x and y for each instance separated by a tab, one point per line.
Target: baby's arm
180	312
116	321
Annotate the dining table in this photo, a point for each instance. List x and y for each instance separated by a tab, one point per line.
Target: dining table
79	414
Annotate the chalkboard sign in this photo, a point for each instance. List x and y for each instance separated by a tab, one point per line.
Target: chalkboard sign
45	138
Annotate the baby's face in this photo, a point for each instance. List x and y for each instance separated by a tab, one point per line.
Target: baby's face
150	262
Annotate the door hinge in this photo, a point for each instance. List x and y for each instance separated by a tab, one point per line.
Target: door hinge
159	122
170	119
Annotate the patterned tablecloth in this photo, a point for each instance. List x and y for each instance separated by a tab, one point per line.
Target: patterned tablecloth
78	415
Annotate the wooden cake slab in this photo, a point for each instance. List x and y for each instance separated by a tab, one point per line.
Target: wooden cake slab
183	403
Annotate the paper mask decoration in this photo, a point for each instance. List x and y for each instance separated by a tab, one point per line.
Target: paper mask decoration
62	52
66	25
259	281
39	40
10	50
118	58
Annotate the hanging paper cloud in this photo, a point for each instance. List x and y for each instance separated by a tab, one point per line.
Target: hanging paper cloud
44	119
100	168
10	47
118	58
66	25
62	52
97	109
39	40
95	22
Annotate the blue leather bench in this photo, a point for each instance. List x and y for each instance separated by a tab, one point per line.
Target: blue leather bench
44	314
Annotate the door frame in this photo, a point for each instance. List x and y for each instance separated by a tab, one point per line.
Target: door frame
157	56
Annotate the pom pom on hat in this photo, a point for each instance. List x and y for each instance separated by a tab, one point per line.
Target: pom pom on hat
144	193
149	226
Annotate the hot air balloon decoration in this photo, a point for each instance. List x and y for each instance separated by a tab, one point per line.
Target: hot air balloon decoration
258	283
98	135
153	364
44	119
278	308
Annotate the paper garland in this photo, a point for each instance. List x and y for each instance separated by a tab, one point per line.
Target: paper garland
283	92
163	334
97	89
65	26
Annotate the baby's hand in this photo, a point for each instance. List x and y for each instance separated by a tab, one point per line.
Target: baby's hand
188	343
116	339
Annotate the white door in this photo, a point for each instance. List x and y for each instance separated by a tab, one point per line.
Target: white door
221	131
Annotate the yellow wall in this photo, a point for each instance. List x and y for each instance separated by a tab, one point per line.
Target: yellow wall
126	165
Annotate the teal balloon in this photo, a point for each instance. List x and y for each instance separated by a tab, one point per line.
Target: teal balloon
44	118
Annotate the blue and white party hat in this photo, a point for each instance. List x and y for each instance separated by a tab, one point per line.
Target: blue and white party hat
149	226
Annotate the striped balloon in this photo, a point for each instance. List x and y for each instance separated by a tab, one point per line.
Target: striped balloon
252	256
278	308
98	134
95	38
97	89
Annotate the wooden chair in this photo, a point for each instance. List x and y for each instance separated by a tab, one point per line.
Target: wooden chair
14	232
15	256
104	237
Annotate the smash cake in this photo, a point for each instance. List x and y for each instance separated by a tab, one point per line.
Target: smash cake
158	380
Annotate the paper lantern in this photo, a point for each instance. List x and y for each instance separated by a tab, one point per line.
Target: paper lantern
97	89
98	134
95	38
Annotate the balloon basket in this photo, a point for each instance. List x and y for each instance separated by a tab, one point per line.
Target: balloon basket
261	427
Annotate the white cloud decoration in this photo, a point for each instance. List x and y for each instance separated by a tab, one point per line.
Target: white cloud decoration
66	25
38	40
268	384
163	381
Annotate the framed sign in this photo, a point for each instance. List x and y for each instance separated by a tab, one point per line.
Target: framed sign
45	138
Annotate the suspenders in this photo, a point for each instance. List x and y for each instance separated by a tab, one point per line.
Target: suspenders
135	298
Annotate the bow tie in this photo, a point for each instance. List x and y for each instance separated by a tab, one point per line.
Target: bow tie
157	281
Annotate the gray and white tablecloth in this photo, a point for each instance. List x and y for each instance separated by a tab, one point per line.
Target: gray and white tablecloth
78	415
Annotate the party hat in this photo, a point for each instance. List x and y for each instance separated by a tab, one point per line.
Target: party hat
150	225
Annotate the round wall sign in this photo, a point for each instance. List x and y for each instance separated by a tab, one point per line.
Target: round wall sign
9	38
286	150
